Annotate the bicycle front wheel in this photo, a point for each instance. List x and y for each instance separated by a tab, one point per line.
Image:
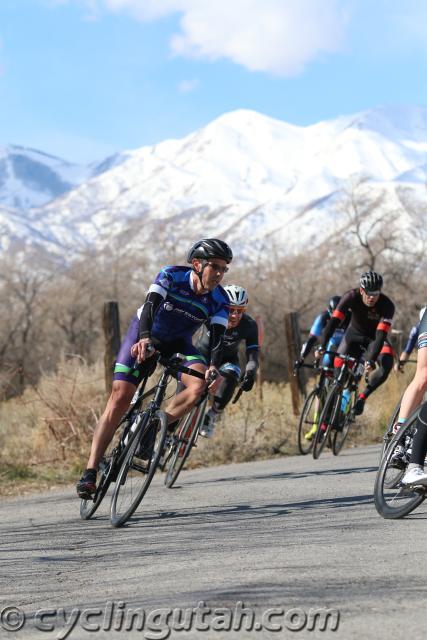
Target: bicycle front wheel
342	427
392	499
328	417
105	477
183	442
138	467
309	422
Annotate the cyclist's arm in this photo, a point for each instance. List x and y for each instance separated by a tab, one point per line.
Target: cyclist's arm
340	314
329	330
156	293
252	347
412	341
252	362
216	339
376	345
315	333
148	311
307	346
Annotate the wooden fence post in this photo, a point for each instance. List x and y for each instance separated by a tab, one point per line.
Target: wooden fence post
293	349
111	327
261	332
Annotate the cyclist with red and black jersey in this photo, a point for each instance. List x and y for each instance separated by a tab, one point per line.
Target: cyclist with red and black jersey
370	324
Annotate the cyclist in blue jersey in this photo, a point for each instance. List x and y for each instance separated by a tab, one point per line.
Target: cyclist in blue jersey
410	344
316	330
314	337
178	302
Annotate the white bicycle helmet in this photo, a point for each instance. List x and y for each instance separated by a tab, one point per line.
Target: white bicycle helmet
237	295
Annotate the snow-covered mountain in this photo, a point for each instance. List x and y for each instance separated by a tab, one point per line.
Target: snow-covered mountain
245	177
31	178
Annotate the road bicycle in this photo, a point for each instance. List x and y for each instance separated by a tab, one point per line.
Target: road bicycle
393	499
182	441
132	463
337	414
114	454
313	406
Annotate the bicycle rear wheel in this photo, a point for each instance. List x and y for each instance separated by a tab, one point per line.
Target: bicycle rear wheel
392	499
139	466
308	421
328	417
183	442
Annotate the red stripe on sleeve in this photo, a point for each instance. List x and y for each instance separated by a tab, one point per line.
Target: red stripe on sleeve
388	349
383	326
338	314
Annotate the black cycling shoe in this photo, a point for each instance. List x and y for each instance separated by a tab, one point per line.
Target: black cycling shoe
359	406
145	449
86	486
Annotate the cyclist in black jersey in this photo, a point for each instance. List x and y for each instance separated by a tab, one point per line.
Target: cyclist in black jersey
371	317
241	327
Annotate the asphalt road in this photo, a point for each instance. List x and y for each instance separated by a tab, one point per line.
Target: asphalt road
281	539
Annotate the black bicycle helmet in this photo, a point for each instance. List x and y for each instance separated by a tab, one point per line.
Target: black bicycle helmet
333	303
210	248
371	281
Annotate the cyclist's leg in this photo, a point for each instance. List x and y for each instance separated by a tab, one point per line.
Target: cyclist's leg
414	393
118	402
352	344
415	472
193	387
381	373
125	381
230	372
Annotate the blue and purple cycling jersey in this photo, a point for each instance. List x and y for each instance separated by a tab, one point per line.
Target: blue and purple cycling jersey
177	318
182	312
422	332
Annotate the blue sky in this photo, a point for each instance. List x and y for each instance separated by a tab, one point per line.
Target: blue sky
85	78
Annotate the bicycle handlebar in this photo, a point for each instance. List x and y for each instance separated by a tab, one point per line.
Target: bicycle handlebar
174	363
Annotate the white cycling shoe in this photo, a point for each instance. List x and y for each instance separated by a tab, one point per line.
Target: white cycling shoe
415	476
207	429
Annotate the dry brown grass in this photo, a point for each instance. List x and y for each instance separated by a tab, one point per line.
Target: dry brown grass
45	434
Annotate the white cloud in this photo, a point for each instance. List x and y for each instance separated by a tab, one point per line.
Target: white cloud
187	86
275	36
271	36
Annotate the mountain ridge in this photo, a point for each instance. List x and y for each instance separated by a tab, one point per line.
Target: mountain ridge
256	174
